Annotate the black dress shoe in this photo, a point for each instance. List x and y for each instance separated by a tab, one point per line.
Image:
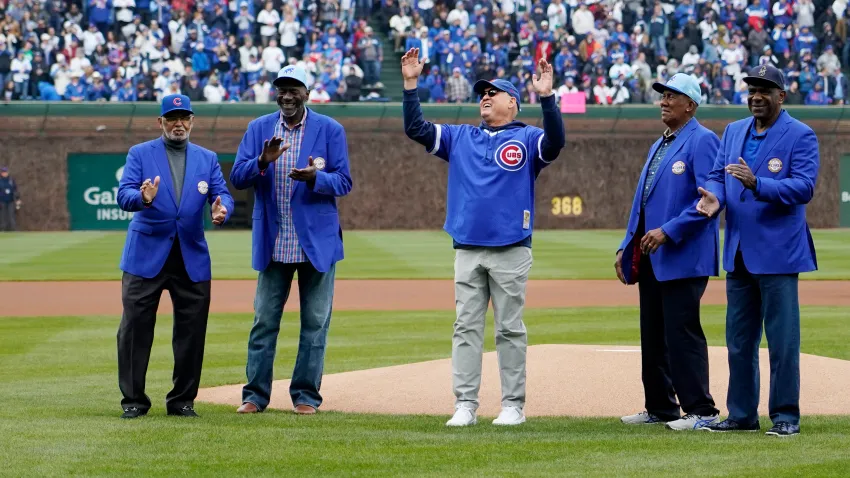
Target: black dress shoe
134	412
783	429
731	426
186	411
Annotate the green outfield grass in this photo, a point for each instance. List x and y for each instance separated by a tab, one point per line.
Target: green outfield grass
60	408
563	254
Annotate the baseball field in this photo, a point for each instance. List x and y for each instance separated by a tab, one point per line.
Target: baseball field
387	385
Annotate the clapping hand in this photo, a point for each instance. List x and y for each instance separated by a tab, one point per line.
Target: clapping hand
219	212
743	173
149	189
272	150
708	205
307	174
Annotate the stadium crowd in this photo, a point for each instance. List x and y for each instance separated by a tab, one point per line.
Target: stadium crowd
230	50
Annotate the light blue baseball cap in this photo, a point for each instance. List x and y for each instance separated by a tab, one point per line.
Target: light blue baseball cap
683	84
294	72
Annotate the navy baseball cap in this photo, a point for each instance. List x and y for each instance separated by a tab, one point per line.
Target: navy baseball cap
3	169
683	84
502	85
292	72
765	75
176	103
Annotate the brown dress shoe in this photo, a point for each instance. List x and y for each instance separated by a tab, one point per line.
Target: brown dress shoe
248	407
304	410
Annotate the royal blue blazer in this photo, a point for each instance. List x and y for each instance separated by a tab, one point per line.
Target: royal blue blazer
153	230
769	224
314	209
692	246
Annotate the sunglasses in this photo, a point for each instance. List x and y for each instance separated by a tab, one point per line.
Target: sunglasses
491	93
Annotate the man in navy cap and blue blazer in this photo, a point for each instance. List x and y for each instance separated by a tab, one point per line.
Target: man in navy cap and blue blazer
166	250
764	175
670	251
297	162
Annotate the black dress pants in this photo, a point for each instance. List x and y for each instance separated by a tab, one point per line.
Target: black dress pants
135	334
674	352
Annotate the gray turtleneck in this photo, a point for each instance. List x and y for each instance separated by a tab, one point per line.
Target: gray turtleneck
176	152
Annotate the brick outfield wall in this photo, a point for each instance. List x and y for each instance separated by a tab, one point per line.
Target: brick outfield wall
399	186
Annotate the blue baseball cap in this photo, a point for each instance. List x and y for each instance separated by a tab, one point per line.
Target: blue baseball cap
683	84
294	72
502	85
766	75
176	103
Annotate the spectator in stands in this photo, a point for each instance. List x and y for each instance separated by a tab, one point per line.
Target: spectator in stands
457	87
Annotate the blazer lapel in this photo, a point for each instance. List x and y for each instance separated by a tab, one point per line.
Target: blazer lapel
677	144
161	160
774	134
189	175
308	138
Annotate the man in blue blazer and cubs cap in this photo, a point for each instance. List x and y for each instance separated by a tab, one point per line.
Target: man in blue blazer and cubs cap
493	168
297	162
764	175
166	250
670	250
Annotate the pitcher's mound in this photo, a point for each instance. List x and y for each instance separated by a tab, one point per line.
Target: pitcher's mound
563	380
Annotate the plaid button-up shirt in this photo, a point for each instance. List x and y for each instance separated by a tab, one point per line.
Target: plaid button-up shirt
286	247
656	160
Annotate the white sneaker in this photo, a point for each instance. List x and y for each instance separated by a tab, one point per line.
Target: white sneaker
692	422
463	416
642	418
510	416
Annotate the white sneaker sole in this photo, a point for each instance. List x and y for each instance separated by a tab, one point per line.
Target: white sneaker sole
503	424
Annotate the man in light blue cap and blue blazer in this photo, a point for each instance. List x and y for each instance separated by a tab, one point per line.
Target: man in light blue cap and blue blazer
296	160
670	250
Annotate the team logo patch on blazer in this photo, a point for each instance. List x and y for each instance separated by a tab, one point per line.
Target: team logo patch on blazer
203	187
774	165
319	163
678	167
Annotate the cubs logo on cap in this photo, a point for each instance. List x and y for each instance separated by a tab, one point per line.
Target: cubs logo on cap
172	103
511	155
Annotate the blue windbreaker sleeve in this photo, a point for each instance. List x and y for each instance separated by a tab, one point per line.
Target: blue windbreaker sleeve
434	138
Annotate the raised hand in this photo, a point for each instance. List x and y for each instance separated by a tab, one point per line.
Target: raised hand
219	212
306	174
149	189
542	80
708	205
411	67
272	149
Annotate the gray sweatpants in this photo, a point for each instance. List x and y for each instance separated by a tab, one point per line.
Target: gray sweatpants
483	274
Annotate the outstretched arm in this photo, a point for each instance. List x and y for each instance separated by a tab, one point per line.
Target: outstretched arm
416	128
554	138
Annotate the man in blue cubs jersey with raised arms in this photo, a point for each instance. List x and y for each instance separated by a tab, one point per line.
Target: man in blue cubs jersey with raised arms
490	216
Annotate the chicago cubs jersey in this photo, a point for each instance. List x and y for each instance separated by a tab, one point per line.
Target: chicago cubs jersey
492	172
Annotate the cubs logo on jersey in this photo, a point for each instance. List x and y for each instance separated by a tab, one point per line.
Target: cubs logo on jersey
511	155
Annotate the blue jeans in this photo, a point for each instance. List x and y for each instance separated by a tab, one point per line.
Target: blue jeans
770	299
316	291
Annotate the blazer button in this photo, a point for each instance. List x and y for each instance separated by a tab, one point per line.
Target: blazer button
171	238
178	218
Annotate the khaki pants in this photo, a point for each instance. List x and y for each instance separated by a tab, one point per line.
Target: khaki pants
483	274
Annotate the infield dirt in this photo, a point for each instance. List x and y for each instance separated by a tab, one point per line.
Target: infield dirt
40	299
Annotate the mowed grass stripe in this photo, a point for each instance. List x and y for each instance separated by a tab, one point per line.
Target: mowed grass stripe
60	395
561	254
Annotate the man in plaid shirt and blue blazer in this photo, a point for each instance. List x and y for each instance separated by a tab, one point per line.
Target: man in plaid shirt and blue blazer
297	162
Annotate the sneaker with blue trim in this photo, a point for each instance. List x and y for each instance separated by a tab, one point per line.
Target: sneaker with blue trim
642	418
783	429
692	421
730	425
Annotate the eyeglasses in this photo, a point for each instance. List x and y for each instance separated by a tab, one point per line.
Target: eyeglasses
174	119
491	93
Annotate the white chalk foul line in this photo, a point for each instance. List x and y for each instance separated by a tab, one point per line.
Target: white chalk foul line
617	350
